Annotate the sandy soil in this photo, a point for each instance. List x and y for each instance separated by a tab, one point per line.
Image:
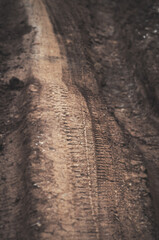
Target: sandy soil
79	120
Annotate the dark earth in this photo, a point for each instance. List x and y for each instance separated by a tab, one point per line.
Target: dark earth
115	45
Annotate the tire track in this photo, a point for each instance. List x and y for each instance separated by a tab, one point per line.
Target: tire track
82	164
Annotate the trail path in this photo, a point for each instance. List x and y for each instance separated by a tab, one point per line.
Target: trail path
80	177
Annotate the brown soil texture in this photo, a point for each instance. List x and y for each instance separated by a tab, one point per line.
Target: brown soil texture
79	120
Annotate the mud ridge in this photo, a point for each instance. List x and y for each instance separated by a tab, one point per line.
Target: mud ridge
16	202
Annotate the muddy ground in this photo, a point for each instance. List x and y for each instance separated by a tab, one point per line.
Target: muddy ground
79	120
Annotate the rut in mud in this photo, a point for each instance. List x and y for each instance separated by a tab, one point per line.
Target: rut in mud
78	145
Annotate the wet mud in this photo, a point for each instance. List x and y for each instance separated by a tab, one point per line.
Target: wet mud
79	120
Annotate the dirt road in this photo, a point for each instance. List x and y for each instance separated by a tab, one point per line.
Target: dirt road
74	164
